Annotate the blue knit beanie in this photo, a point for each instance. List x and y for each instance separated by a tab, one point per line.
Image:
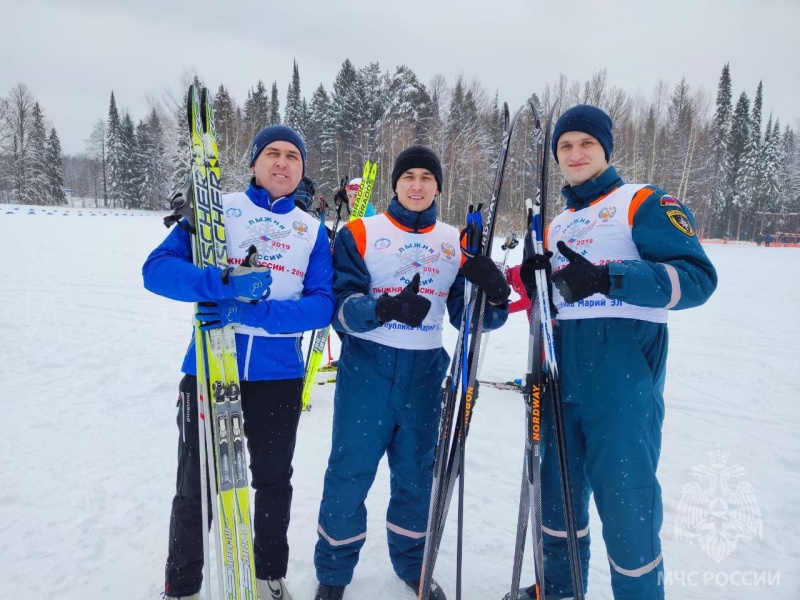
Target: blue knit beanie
277	133
587	119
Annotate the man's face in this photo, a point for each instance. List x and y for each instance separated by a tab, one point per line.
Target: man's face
417	189
580	157
278	168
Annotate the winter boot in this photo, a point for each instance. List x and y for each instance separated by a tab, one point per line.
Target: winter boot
329	592
530	594
436	592
272	589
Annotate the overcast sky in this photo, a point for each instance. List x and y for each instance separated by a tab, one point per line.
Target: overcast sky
72	53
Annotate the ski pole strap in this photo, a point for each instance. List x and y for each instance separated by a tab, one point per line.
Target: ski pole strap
472	234
182	212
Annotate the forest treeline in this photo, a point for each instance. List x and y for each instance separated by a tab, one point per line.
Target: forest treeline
734	164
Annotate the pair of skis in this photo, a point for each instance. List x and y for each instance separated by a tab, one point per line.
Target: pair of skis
460	387
220	424
320	336
541	360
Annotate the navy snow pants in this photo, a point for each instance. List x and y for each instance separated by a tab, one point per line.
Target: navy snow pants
612	383
387	401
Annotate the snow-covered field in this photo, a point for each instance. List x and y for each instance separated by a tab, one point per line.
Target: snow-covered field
89	365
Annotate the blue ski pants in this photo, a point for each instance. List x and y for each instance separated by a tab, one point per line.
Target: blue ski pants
387	401
612	382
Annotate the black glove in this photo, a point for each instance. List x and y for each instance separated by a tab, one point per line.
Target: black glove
580	278
481	270
340	197
530	265
407	306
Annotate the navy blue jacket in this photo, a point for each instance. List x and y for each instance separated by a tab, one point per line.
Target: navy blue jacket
645	282
352	277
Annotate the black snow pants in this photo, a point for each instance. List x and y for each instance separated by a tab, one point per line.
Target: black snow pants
271	415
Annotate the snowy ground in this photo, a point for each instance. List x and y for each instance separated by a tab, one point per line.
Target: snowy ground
89	364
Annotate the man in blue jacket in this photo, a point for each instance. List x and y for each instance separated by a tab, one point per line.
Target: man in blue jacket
396	274
623	256
291	287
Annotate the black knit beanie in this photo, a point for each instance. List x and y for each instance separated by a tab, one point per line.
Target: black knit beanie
417	157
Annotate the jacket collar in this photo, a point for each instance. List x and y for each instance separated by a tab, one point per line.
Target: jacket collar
580	196
415	221
261	197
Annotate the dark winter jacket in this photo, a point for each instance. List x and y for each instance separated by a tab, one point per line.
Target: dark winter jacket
644	282
352	277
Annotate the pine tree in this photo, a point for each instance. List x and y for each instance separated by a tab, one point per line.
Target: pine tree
753	185
55	170
115	164
349	113
321	153
274	106
256	109
737	149
131	173
233	142
293	115
151	162
773	158
36	157
720	133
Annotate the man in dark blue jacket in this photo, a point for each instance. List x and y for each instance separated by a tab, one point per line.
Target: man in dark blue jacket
291	287
396	274
623	256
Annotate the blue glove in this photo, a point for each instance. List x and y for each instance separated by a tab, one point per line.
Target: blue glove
213	315
248	283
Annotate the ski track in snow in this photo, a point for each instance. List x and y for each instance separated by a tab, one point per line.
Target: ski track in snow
90	366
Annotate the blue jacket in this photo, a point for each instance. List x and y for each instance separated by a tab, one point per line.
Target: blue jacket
352	277
169	272
370	212
659	241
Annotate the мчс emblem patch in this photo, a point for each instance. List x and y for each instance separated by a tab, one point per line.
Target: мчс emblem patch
681	222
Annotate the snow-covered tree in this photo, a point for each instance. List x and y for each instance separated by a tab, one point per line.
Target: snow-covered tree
257	108
54	169
293	115
96	149
720	133
115	151
321	161
131	174
274	106
37	191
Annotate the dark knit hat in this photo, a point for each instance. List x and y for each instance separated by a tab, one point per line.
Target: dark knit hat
417	157
277	133
587	119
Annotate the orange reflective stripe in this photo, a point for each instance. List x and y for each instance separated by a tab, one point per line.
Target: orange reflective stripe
637	200
359	235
